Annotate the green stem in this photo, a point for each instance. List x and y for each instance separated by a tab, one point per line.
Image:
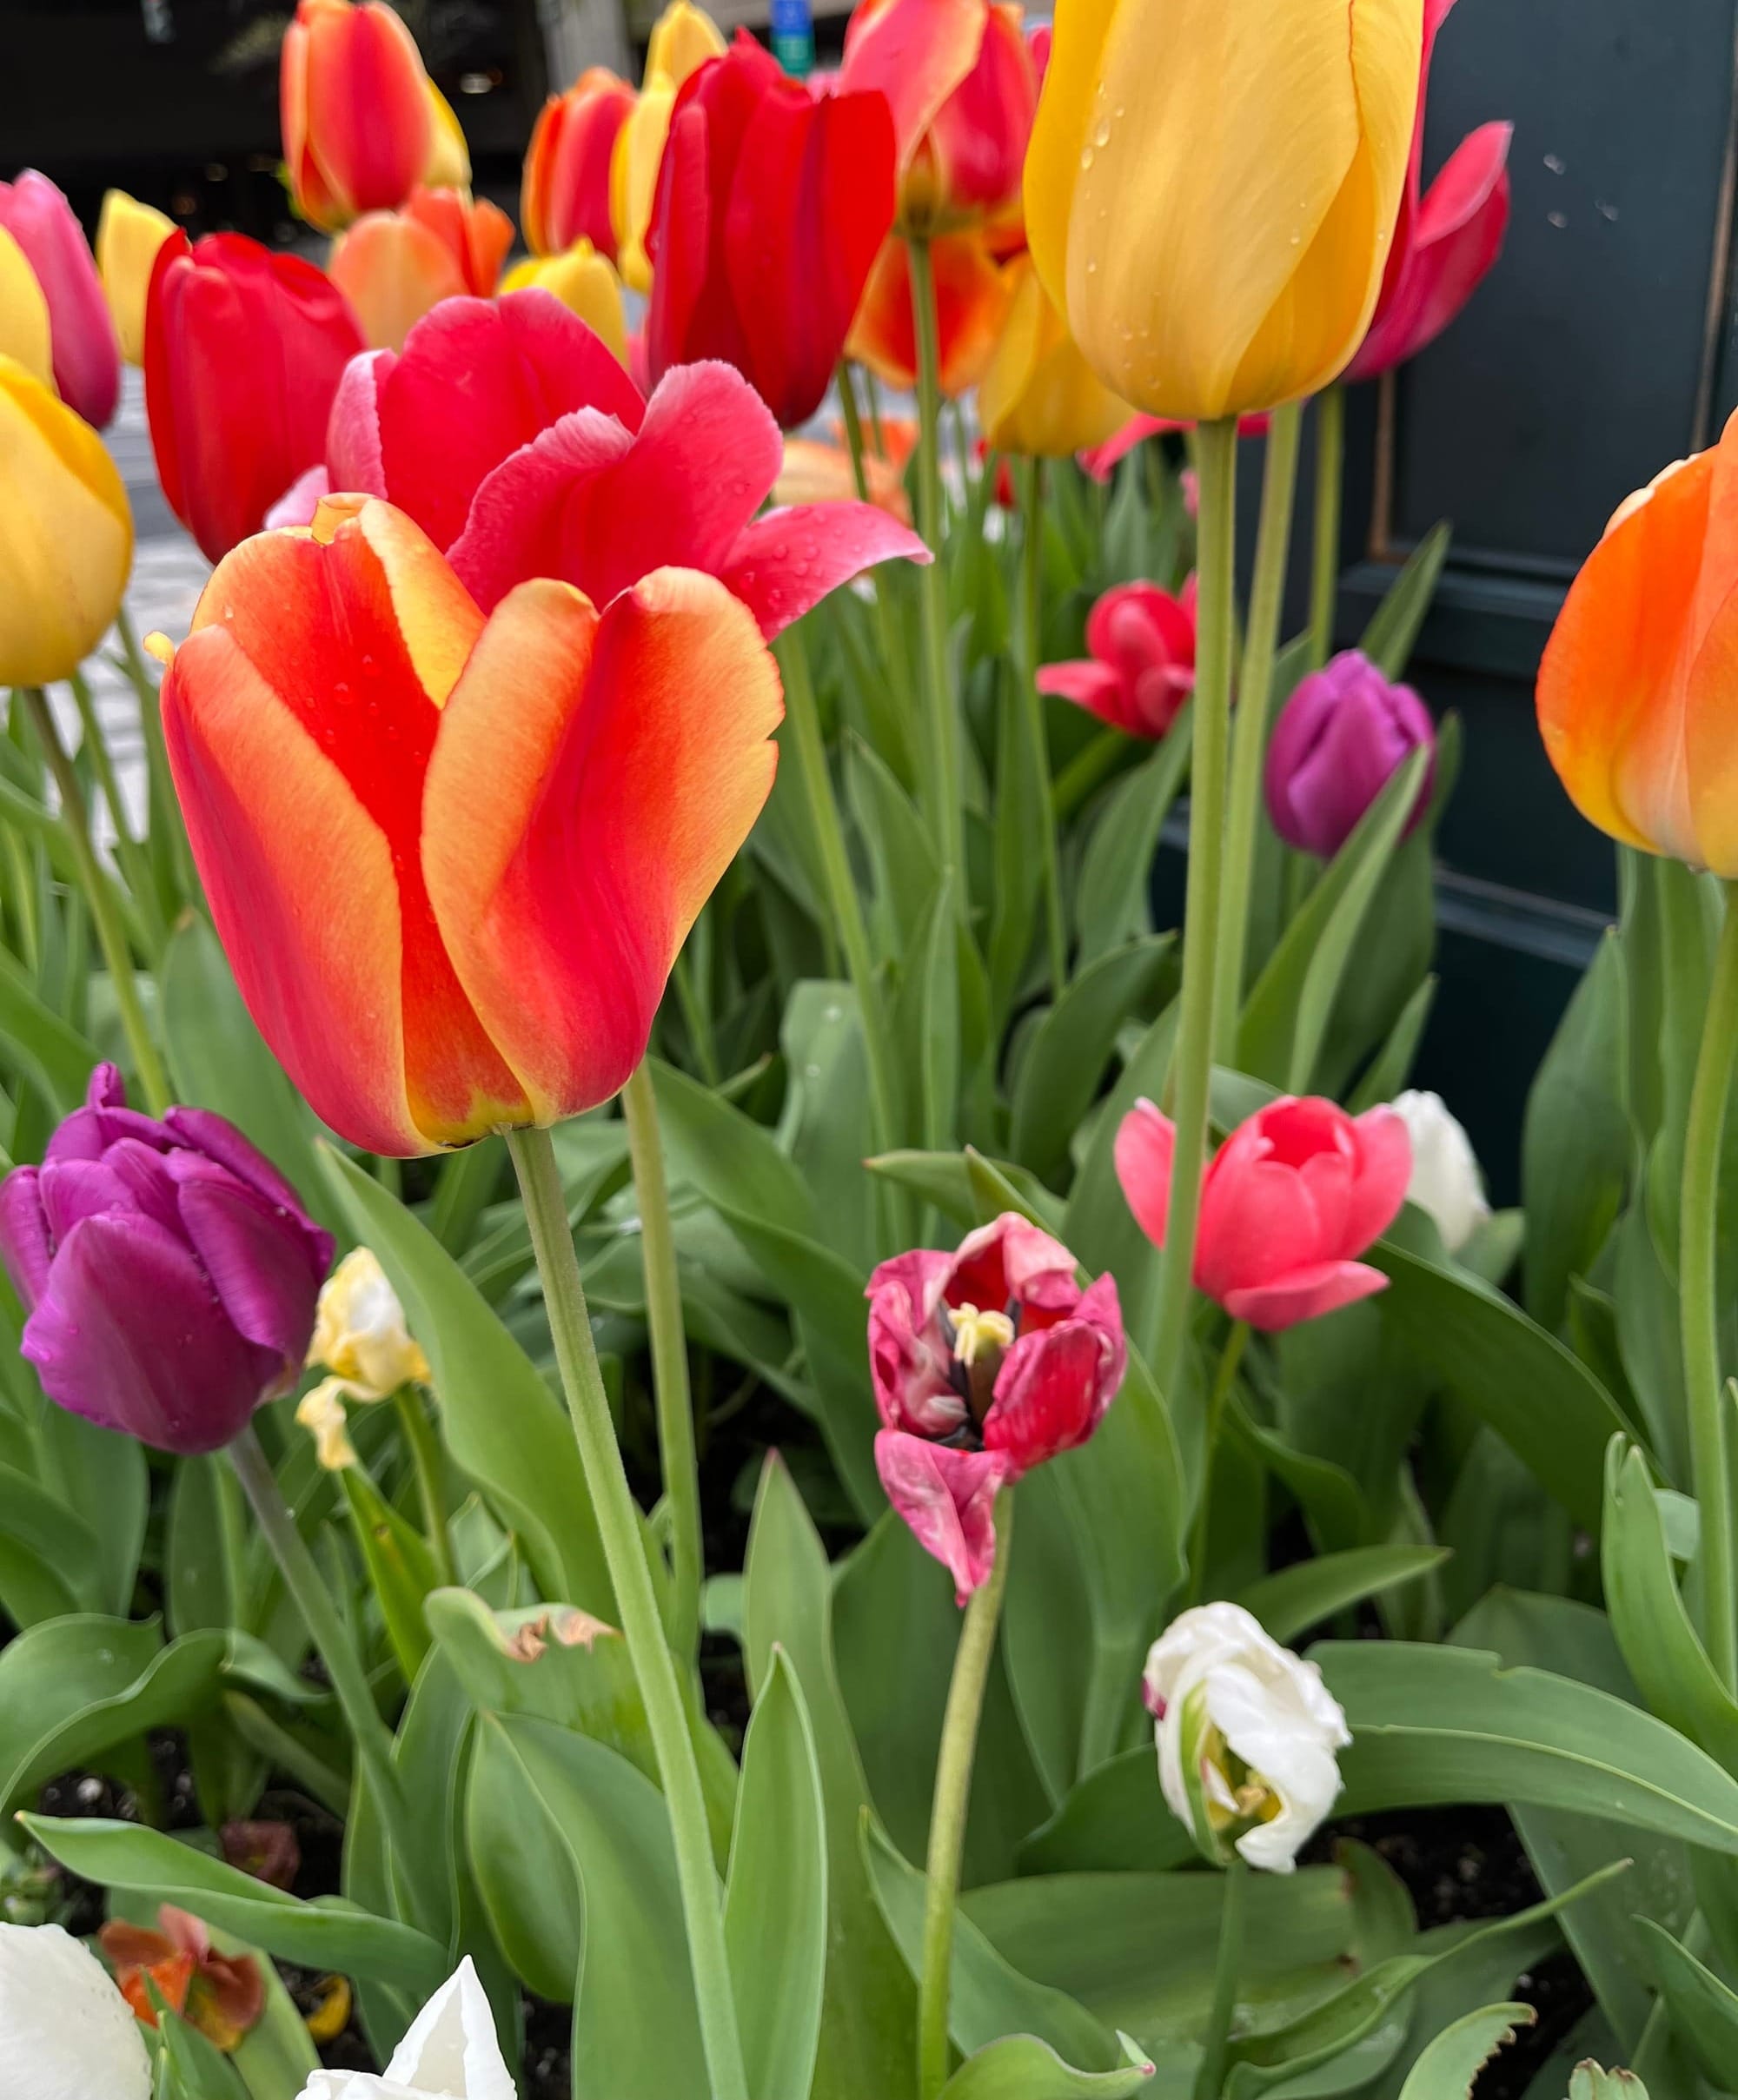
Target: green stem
1330	449
669	1362
1230	1357
1037	742
618	1522
952	1801
1249	735
288	1754
1087	770
425	1457
1211	2080
111	934
854	428
1192	1060
128	850
941	723
1699	1300
164	801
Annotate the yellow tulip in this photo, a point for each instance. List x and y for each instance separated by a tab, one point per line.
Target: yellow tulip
634	164
129	234
584	282
450	157
1212	187
683	39
1040	399
66	534
23	314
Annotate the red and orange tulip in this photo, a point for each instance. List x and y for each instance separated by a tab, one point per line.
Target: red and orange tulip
564	195
358	116
452	857
972	297
1635	685
394	266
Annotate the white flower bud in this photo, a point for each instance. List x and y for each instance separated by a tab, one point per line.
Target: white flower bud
451	2051
1446	1182
66	2033
360	1333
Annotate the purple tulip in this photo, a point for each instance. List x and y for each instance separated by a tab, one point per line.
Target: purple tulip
1335	746
170	1272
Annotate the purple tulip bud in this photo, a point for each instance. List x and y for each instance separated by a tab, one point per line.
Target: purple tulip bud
168	1271
1335	746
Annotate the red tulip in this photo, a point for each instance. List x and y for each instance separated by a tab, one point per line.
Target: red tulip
972	296
357	113
452	858
86	354
564	195
960	82
1290	1200
394	266
243	353
1444	243
521	446
986	1362
1142	665
770	207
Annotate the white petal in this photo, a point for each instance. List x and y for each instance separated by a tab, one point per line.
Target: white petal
452	2049
66	2033
1445	1182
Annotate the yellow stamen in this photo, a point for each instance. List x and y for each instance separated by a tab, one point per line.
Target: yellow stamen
973	1332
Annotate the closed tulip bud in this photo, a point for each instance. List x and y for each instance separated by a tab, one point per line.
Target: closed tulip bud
1212	189
633	165
129	234
1040	398
771	205
243	353
960	82
359	122
1339	739
168	1271
360	1333
66	2033
1289	1202
683	38
585	284
394	266
87	359
1635	694
450	157
67	549
972	294
1141	666
564	195
25	335
1446	1182
1248	1737
986	1362
451	2048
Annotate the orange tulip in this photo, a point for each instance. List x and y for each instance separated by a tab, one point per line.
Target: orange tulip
356	108
452	857
565	196
972	295
394	266
817	472
1636	686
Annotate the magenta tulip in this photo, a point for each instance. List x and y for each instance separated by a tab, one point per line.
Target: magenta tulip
83	345
1338	741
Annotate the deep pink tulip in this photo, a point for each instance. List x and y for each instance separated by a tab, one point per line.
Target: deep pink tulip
168	1270
86	351
1289	1202
1338	741
986	1362
1142	665
1101	461
514	438
1445	241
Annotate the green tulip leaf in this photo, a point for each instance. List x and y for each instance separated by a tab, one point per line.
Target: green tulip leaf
1020	2067
1450	2066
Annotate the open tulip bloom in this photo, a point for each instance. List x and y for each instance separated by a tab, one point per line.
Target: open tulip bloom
1141	666
66	2032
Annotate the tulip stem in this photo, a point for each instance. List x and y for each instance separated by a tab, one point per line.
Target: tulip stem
894	660
424	1458
669	1361
940	720
1700	1304
111	935
165	807
619	1527
1324	576
1211	2080
1230	1359
952	1801
128	853
1032	716
853	429
1192	1060
1249	735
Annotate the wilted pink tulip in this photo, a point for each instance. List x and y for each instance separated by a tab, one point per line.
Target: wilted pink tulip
1338	741
986	1362
86	351
1142	665
1445	241
1289	1202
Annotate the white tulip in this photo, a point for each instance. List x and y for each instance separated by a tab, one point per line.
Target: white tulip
451	2051
66	2033
1247	1734
1445	1181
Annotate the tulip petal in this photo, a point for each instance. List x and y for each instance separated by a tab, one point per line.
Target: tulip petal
1092	686
593	779
788	560
1384	1168
354	463
452	2046
533	515
972	294
1146	1142
259	1265
1305	1294
948	1499
915	54
1054	1385
25	1246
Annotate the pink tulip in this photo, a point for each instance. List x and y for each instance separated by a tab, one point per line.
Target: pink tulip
86	351
986	1362
1290	1201
1445	242
1142	665
1101	461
